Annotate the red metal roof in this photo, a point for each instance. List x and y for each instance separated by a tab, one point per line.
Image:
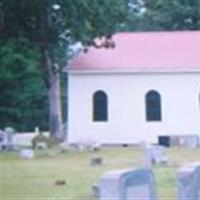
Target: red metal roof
144	51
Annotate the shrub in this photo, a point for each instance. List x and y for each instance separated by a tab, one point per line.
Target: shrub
50	142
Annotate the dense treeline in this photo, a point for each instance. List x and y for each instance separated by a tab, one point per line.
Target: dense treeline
23	95
159	15
41	32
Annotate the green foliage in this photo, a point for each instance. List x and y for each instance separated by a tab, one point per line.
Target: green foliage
1	15
73	20
50	27
94	18
166	15
23	94
50	142
55	29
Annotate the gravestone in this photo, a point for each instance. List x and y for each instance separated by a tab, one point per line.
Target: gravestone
37	130
96	190
26	154
154	154
189	141
189	182
64	147
95	160
164	140
41	145
130	184
86	144
95	147
2	137
6	138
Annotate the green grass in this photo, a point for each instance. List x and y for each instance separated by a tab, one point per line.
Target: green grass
35	179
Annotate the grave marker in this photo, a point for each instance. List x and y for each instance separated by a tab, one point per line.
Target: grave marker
26	154
189	182
131	184
154	154
7	138
2	137
96	160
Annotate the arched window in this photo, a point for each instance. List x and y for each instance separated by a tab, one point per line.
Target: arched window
100	106
153	106
199	100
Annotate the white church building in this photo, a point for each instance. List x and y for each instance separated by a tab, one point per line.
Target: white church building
145	87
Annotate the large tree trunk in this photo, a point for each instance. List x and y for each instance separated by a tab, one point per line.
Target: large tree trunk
53	82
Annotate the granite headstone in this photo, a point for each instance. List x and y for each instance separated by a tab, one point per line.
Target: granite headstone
154	154
1	139
26	154
130	184
8	138
189	182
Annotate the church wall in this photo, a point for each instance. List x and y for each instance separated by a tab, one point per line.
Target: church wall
127	122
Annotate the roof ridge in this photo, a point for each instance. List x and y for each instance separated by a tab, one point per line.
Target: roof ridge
159	32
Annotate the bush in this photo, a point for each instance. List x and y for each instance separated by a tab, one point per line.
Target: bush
50	142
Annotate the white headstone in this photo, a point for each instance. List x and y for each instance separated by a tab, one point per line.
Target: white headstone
189	141
64	147
189	182
138	192
86	144
37	130
131	184
154	154
8	140
26	154
2	139
193	141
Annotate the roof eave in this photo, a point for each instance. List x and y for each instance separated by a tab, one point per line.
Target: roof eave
135	71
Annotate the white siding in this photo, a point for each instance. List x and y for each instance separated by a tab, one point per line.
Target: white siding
126	106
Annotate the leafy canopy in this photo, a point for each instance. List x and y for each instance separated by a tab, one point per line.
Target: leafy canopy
23	94
27	28
51	21
166	15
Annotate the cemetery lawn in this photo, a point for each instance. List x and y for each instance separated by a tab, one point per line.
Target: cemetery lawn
35	179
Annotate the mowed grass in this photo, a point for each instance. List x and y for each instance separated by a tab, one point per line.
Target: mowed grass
35	179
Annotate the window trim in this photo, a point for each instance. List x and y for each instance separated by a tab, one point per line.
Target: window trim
153	106
100	106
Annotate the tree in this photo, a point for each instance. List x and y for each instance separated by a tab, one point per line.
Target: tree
51	26
23	93
166	15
